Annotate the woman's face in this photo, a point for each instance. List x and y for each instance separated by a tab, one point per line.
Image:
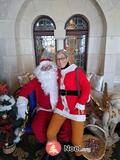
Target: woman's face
61	60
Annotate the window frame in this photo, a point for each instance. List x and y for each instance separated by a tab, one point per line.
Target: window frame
42	32
76	31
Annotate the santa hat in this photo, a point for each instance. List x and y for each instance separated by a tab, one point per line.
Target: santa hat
46	56
44	63
45	59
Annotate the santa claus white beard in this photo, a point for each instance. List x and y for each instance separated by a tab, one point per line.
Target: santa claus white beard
48	80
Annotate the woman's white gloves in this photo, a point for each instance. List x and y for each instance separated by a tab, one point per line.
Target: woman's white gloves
80	106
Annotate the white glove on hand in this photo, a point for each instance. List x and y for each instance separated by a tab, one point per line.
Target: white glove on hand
22	103
80	106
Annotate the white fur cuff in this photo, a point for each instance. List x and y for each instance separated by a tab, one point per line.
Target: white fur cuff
22	107
80	106
22	101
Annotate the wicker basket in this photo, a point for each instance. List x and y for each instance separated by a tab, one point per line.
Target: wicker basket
94	154
9	149
97	131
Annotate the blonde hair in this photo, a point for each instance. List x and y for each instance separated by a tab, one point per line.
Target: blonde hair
62	52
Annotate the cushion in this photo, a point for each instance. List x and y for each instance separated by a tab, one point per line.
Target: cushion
25	78
89	76
96	82
97	96
115	99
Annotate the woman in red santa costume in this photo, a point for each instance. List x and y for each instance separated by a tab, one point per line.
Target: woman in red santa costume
70	105
45	86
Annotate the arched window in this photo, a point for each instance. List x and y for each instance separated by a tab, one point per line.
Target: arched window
76	41
43	32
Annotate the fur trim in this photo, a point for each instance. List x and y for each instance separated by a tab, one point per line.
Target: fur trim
80	106
22	103
80	118
71	68
48	80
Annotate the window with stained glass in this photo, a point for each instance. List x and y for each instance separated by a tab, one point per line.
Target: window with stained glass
76	41
44	36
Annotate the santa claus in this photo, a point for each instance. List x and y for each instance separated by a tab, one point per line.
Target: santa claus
46	90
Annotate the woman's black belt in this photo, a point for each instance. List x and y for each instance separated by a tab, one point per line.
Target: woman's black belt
69	92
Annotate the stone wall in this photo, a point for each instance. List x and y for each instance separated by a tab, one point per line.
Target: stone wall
16	34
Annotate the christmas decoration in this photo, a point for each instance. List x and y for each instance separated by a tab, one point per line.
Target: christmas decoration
8	119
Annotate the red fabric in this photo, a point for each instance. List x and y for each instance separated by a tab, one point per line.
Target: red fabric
45	59
6	128
42	99
40	125
42	118
3	88
70	84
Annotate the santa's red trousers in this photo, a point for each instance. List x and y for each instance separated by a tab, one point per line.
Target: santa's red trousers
40	124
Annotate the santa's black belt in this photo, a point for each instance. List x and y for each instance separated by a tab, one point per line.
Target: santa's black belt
69	92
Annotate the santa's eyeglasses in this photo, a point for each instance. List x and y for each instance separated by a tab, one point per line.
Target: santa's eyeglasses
46	67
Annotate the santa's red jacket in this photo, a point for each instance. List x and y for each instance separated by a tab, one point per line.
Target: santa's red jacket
44	113
42	99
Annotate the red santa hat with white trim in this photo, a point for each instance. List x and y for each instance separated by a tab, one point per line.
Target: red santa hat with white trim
46	56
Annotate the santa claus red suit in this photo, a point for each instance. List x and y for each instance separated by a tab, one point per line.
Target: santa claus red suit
46	90
70	104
